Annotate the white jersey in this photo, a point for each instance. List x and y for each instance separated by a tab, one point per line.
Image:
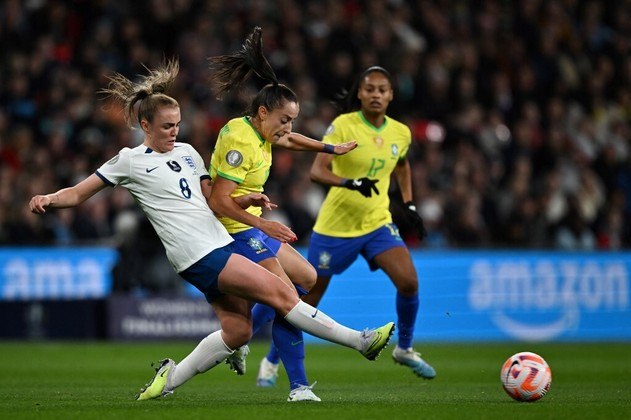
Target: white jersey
167	186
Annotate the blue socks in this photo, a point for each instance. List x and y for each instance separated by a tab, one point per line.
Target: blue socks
407	308
261	315
291	348
287	344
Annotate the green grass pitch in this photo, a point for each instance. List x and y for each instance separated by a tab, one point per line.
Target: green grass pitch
98	380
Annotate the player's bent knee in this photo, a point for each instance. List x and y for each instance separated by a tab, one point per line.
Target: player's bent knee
310	278
408	288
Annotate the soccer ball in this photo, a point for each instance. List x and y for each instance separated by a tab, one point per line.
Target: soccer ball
526	376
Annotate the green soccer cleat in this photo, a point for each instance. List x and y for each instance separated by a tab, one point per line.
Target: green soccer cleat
373	341
160	384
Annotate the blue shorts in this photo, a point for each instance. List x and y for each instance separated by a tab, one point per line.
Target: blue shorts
333	255
205	272
255	245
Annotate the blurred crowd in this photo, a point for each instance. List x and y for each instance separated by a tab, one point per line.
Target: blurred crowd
520	111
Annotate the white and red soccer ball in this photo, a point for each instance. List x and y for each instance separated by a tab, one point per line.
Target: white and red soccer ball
526	376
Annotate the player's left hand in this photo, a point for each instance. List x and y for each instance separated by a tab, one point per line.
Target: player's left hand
277	230
343	148
415	219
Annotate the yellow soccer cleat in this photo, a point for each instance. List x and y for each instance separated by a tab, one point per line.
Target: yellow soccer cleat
160	384
373	341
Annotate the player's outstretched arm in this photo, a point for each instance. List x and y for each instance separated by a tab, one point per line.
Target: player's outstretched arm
297	141
67	197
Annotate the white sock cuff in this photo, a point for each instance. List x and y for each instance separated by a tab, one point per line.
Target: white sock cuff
223	342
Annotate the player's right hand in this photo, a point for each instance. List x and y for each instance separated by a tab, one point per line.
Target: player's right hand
38	204
256	200
277	230
365	186
343	148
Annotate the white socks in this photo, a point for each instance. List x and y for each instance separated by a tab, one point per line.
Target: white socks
212	350
209	353
317	323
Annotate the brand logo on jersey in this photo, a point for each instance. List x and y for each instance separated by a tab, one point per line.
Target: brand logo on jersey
324	260
395	150
189	161
113	160
152	169
256	245
174	166
330	129
234	158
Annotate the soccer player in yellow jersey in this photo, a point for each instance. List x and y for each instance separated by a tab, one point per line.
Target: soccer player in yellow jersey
240	165
355	218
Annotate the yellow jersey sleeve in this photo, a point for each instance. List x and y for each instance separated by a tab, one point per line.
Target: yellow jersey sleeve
232	155
242	156
347	213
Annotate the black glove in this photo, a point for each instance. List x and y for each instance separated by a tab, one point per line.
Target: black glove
363	185
415	219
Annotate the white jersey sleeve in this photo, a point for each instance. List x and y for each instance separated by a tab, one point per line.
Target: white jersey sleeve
117	170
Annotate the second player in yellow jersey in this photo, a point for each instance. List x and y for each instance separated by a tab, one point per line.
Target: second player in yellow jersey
355	219
379	149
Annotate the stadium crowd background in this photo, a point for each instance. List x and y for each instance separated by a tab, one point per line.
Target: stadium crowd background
520	112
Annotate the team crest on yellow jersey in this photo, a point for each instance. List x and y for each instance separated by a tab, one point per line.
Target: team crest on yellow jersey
324	260
329	130
395	150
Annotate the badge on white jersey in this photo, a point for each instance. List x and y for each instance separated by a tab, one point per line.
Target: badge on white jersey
174	166
189	161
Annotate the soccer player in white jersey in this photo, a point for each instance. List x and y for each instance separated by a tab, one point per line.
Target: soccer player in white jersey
169	182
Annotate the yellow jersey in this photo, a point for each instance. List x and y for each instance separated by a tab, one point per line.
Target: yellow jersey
347	213
243	156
